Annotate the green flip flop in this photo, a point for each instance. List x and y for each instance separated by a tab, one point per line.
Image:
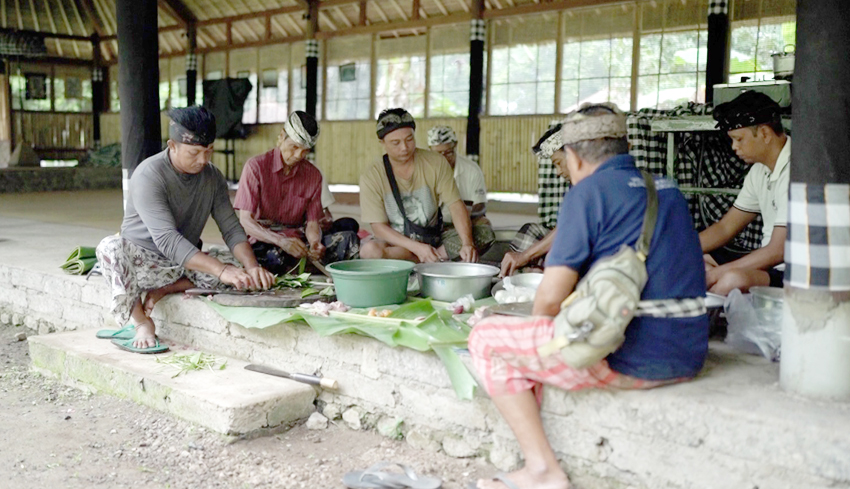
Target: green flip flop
128	345
126	333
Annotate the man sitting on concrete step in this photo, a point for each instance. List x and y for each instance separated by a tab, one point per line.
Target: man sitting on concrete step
753	123
470	183
666	342
280	203
401	196
172	195
534	240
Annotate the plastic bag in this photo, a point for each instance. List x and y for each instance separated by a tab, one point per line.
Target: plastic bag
751	331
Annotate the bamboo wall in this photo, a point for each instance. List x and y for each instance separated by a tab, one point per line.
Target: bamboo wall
346	148
54	130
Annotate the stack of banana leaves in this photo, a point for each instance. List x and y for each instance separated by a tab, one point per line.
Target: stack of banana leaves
418	324
81	260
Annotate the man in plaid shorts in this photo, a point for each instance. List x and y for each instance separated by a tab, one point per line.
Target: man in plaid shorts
663	344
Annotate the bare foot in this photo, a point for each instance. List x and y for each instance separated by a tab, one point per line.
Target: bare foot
526	479
145	335
151	299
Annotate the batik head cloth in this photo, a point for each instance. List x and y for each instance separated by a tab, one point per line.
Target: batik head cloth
392	119
294	128
180	134
438	135
748	109
549	142
579	126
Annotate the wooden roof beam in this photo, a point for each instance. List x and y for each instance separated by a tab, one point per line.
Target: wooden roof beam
344	17
96	24
453	18
227	47
534	8
179	10
70	29
66	37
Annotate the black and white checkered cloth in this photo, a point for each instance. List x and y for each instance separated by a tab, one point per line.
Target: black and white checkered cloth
550	192
817	252
477	30
311	48
718	7
191	62
672	308
704	159
527	235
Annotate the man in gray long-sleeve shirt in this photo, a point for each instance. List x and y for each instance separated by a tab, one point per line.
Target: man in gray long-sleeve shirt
172	195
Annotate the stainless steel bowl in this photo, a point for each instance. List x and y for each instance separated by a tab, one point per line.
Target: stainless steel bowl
530	280
450	281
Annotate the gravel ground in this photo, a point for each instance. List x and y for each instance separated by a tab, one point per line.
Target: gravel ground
56	436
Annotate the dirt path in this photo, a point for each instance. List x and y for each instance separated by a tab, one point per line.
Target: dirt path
55	436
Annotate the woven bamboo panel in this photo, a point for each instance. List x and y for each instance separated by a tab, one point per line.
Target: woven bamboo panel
52	130
110	128
506	157
346	148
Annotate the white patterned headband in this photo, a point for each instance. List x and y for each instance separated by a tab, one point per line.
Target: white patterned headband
296	131
438	135
578	126
393	119
550	142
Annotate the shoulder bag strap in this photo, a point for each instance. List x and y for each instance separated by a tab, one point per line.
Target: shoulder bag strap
396	194
649	218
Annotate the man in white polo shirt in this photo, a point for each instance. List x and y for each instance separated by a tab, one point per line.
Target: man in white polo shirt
753	123
470	183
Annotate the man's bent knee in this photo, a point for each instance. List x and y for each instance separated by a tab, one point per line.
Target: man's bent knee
371	250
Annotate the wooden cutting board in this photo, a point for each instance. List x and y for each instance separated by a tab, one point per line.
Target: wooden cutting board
277	298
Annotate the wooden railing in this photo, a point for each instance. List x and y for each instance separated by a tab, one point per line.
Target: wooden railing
54	130
346	148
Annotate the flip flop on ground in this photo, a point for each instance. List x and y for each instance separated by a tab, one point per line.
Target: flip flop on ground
128	345
126	333
376	478
503	478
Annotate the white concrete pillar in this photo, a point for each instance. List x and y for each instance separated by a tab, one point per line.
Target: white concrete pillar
816	344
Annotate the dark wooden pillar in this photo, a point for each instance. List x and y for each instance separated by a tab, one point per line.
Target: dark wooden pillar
477	37
716	65
98	90
138	82
191	65
312	52
816	323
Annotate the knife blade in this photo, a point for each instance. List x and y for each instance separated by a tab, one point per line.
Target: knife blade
303	378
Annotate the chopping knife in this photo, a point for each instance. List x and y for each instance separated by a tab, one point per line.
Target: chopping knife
521	309
200	291
321	268
303	378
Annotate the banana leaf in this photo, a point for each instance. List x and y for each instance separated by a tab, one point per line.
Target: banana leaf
79	266
416	325
81	252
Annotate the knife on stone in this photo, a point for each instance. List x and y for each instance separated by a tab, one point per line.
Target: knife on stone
303	378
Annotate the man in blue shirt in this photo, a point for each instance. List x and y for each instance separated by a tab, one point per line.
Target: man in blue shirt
603	212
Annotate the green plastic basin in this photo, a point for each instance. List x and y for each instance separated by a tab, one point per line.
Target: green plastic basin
369	283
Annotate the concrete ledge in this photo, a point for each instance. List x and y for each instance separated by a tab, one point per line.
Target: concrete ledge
13	180
731	428
232	401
